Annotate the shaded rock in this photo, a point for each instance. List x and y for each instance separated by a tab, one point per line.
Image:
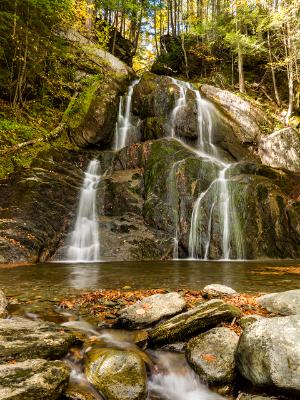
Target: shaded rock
3	304
33	380
118	374
281	149
194	321
285	303
248	121
268	353
31	200
249	319
211	355
151	309
21	339
216	290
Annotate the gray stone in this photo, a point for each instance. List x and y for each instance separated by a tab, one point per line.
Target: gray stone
21	339
152	309
281	149
216	290
268	353
248	121
197	320
3	304
285	303
33	380
211	355
118	374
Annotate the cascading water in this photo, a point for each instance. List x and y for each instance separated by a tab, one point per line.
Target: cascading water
200	242
84	240
123	122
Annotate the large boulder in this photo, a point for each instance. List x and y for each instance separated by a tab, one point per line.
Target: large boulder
91	116
118	374
151	309
268	353
285	303
211	355
281	149
3	304
21	339
193	322
249	122
33	380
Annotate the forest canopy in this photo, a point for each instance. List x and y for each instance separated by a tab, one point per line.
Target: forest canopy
249	43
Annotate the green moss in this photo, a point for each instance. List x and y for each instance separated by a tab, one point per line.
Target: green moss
79	105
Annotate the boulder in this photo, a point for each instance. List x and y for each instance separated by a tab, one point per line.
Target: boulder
91	116
248	121
151	309
211	355
21	339
217	290
33	380
3	304
285	303
245	396
118	374
268	353
193	322
281	149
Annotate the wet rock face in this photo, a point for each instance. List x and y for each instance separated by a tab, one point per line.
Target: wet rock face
192	322
248	121
21	339
151	309
211	355
3	304
285	303
281	149
268	353
118	374
33	380
38	204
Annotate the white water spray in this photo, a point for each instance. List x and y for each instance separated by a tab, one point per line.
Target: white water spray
174	380
84	241
199	244
123	124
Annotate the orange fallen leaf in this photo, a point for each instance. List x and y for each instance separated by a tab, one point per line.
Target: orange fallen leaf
208	357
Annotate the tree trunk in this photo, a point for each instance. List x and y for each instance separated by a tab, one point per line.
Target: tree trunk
277	98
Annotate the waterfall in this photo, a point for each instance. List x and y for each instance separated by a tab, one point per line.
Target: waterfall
84	240
200	239
123	122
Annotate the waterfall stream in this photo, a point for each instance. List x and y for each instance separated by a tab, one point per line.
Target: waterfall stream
199	241
84	245
123	122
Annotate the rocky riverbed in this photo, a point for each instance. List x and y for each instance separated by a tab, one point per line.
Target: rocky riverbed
154	344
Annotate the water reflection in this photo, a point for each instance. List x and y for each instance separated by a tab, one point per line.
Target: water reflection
83	278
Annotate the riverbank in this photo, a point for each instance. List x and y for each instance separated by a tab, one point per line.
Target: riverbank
160	337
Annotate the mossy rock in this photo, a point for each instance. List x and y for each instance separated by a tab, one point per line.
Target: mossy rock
118	374
193	322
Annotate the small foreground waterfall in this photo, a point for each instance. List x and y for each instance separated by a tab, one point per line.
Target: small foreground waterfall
123	122
213	212
84	240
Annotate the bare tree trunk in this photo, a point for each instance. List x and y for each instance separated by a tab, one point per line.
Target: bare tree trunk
273	72
290	73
